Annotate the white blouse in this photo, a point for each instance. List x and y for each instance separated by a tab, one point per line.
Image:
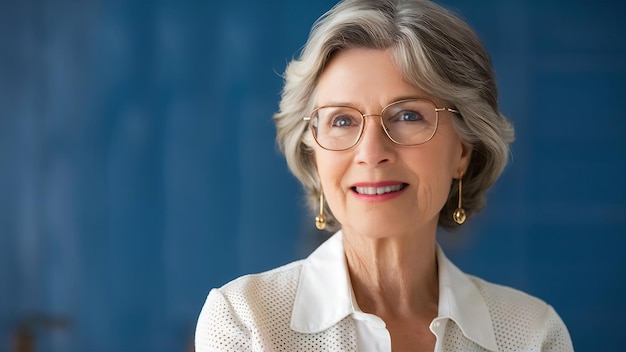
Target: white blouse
309	305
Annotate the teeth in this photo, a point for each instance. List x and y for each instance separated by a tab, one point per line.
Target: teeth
377	190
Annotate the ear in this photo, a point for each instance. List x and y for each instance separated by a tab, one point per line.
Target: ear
464	159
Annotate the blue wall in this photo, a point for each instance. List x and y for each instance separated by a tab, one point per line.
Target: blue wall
138	167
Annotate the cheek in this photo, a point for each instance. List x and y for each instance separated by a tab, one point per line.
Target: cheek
434	177
330	169
452	154
433	192
441	191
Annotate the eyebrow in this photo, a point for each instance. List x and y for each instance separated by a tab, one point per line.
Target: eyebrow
395	100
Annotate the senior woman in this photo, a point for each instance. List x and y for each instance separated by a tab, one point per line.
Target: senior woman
390	120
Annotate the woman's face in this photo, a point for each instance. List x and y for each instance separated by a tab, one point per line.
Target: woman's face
414	180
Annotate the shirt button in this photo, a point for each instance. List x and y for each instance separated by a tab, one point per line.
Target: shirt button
437	324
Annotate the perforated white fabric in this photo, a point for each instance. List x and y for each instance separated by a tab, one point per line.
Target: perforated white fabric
254	313
521	323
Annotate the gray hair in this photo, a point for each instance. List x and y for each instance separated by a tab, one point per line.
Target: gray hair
437	52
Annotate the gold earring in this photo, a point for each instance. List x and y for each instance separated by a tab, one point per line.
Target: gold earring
459	214
320	219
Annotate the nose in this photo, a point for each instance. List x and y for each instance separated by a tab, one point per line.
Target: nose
374	148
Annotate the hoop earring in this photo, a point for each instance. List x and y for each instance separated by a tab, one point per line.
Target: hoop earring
459	214
320	219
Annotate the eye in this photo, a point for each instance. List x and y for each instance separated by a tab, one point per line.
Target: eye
408	115
342	121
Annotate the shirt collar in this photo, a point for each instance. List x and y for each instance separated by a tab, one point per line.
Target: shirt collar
461	301
324	295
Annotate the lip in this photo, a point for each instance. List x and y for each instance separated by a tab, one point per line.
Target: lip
379	191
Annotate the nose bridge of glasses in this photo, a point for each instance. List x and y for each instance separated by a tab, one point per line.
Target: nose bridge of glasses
380	116
384	128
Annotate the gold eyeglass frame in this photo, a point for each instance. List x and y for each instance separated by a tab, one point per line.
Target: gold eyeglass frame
382	123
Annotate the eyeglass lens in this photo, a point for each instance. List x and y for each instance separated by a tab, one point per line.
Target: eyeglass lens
407	122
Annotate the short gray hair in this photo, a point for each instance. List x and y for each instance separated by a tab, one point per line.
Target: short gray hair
437	52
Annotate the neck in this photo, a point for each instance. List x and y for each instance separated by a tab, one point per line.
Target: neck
394	276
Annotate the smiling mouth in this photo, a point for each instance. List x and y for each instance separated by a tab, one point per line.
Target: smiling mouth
372	191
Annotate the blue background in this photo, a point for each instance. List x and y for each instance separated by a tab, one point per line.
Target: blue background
138	167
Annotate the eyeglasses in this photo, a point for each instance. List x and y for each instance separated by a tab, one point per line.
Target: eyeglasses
406	122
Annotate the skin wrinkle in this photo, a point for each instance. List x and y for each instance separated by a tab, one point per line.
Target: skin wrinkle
381	265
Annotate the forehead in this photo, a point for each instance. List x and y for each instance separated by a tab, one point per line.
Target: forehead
364	78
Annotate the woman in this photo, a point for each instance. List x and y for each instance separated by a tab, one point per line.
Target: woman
390	120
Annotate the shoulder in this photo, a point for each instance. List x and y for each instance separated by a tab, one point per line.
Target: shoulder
499	296
277	280
235	316
258	295
280	275
518	316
